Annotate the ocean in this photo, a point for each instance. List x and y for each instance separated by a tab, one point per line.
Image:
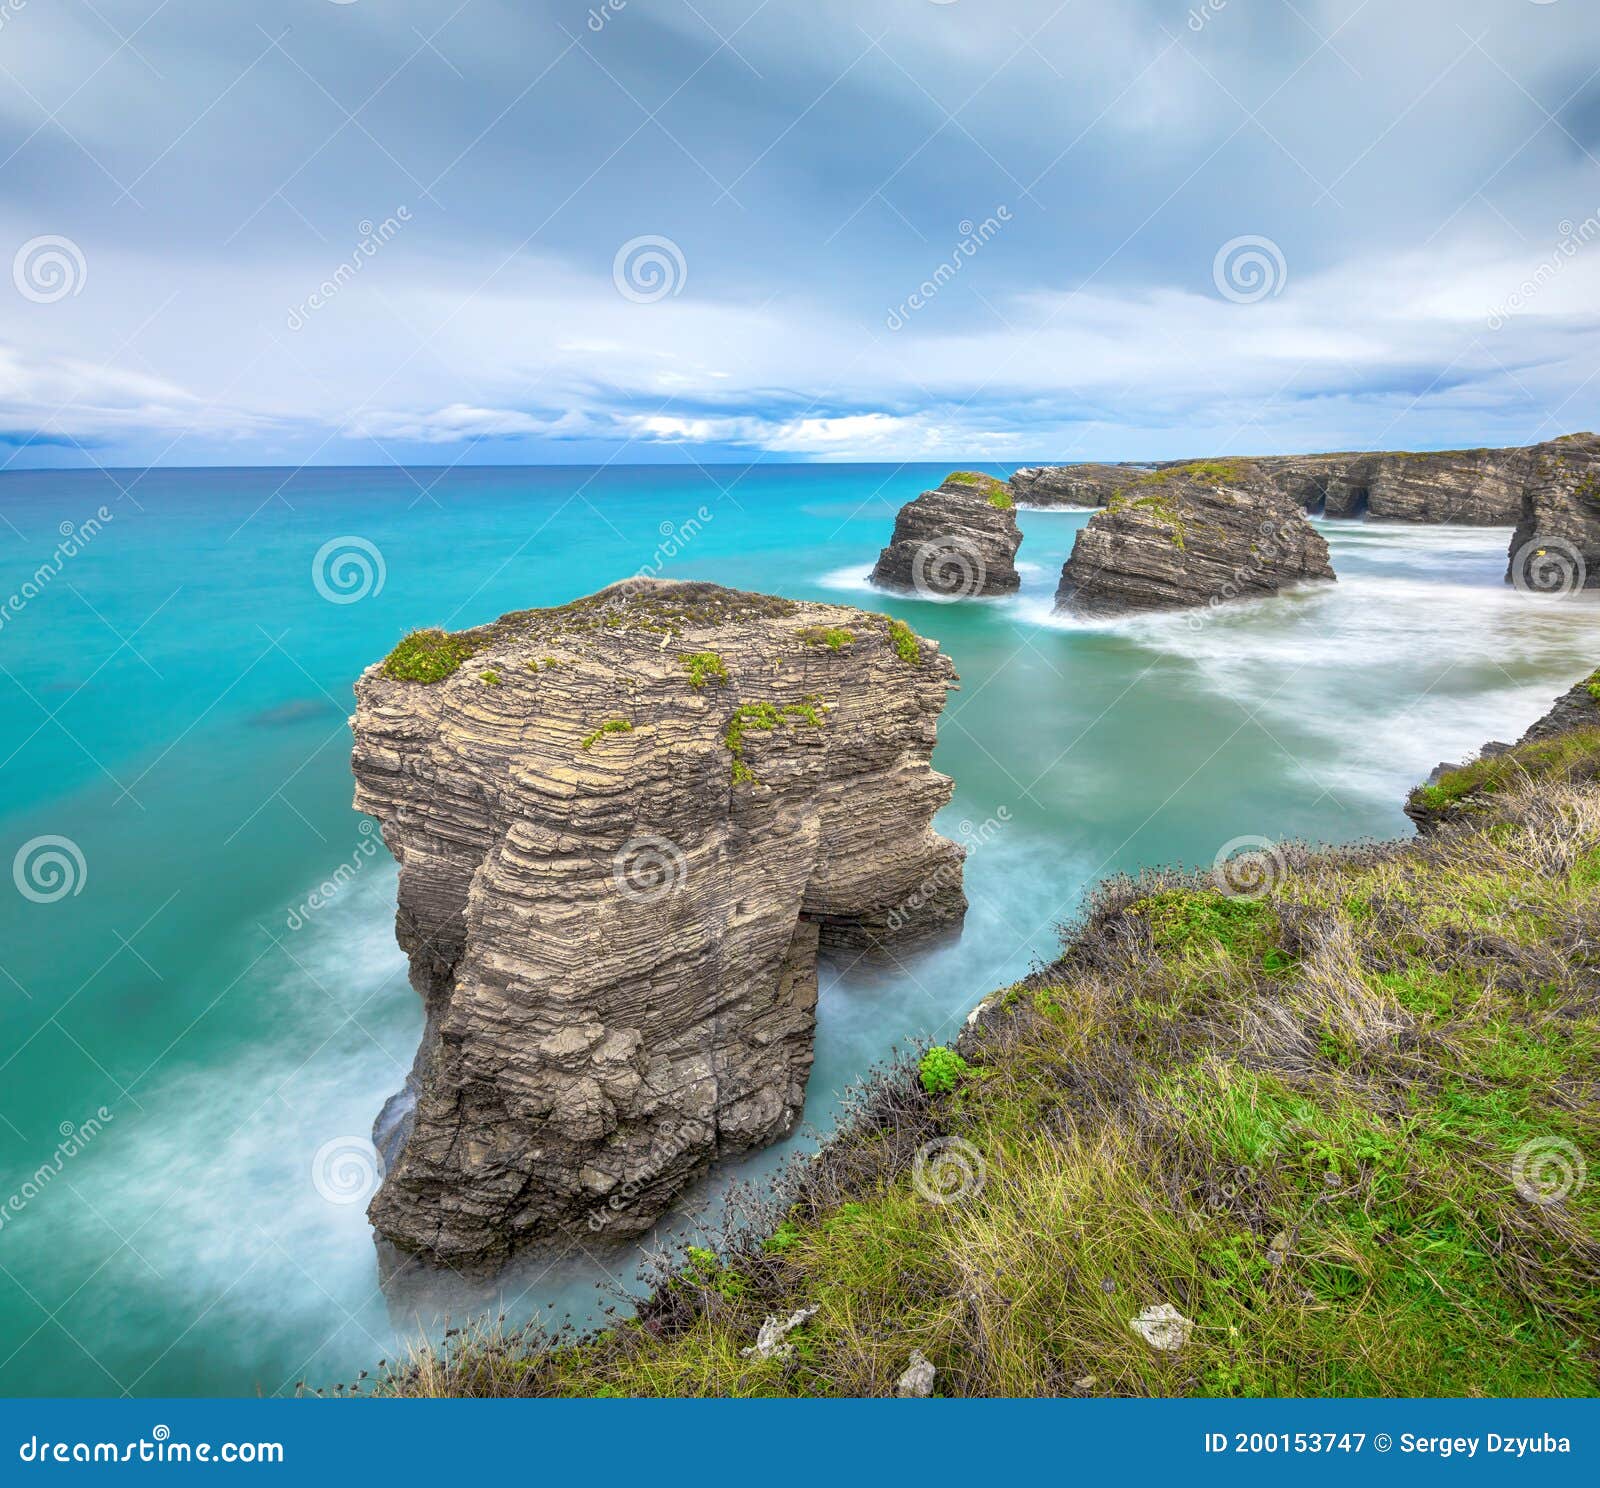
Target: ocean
201	1001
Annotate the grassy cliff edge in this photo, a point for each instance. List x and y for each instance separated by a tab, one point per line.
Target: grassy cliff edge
1334	1114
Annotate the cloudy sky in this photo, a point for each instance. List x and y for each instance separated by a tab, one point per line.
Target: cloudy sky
544	230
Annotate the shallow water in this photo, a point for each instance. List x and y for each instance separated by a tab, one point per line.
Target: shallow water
174	705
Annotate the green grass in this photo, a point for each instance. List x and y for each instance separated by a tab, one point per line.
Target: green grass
831	636
762	718
1297	1118
906	645
490	678
704	667
427	656
610	726
1573	755
995	492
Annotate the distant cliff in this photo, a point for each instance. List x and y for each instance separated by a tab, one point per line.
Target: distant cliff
626	827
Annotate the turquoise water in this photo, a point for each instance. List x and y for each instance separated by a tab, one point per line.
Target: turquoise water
173	701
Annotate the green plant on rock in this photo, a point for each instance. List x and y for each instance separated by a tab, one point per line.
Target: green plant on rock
704	667
610	726
941	1070
491	678
427	656
763	718
904	640
831	636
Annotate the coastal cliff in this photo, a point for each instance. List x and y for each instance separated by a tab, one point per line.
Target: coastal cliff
626	827
958	541
1555	548
1476	487
1310	1124
1190	535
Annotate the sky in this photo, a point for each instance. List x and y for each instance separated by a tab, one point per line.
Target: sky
549	231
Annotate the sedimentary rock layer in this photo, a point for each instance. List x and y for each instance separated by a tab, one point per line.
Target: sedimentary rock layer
626	827
959	541
1190	535
1555	548
1477	487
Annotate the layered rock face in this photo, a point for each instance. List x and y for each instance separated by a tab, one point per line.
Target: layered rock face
1192	535
1474	488
626	827
1071	485
1477	488
1555	548
957	542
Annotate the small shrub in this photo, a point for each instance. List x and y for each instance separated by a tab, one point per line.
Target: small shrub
427	656
610	726
941	1070
830	636
703	667
905	643
490	678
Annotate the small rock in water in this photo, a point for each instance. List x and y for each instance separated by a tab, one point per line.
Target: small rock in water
769	1342
1162	1327
917	1382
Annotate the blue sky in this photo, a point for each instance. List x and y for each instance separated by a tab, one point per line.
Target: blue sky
1412	192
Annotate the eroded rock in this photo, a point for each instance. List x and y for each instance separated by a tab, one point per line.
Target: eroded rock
959	541
1190	535
1555	548
626	827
